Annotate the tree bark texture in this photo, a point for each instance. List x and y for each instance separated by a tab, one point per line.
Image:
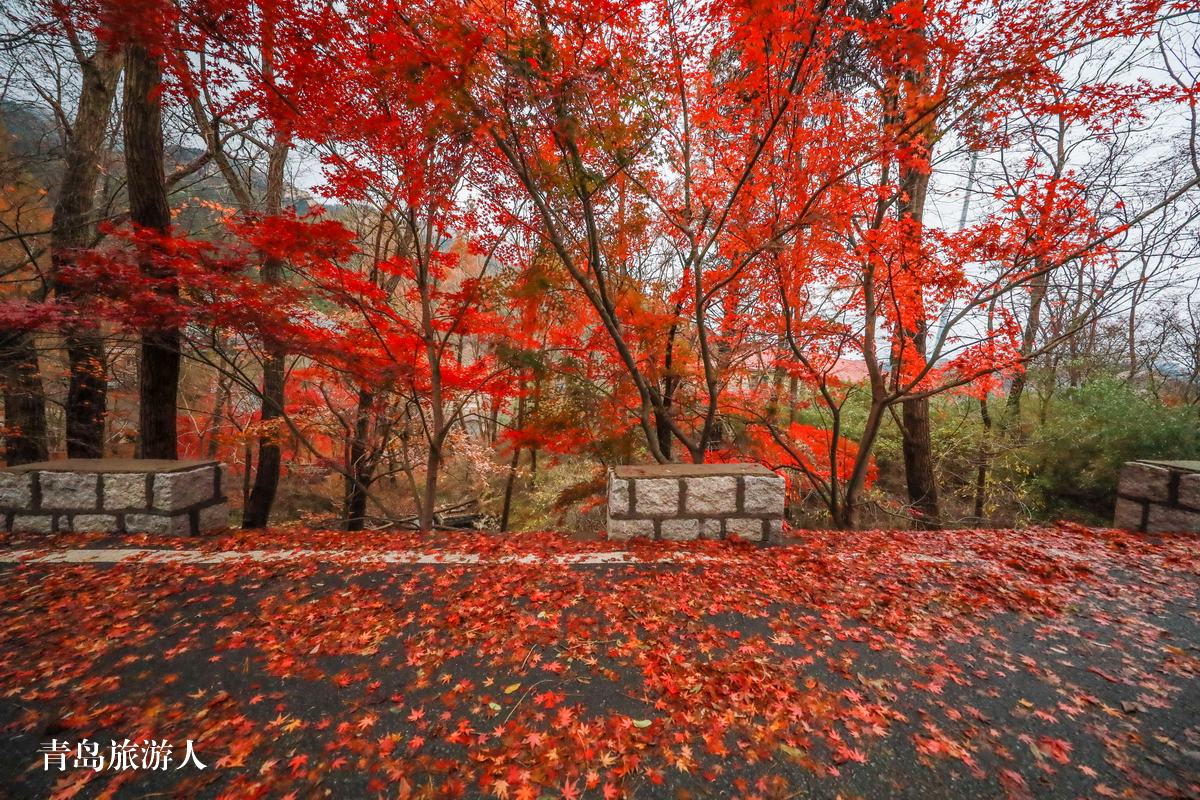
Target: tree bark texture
270	457
511	481
662	413
358	464
148	208
71	230
266	480
24	400
919	473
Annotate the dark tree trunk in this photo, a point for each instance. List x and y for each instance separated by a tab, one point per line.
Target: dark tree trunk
844	505
266	480
87	393
793	398
148	208
71	230
358	465
438	426
511	481
985	458
246	475
24	401
919	472
159	395
662	429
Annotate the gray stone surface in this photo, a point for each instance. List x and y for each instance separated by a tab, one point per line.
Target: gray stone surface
174	491
620	530
680	530
214	517
124	490
618	496
1129	514
763	495
717	495
689	470
745	528
32	523
695	501
1177	466
95	523
177	525
16	490
1144	482
1189	491
659	497
1172	520
69	490
710	529
142	465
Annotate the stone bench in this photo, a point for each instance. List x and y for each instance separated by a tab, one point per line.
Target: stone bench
1159	497
113	495
680	502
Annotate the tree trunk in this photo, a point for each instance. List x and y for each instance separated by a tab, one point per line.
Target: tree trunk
71	231
913	186
845	509
511	481
1037	288
919	472
148	208
793	398
438	428
266	480
429	498
985	457
661	429
357	465
662	414
87	393
224	389
246	476
24	400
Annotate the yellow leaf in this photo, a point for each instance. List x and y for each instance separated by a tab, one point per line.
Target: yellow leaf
513	688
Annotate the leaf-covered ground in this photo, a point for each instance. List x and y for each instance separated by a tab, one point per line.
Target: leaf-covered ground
1058	662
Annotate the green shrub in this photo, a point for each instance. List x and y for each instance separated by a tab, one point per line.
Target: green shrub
1074	459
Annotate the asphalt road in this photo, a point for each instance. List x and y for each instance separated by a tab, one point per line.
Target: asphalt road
339	679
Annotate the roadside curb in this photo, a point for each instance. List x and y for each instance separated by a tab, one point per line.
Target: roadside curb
137	556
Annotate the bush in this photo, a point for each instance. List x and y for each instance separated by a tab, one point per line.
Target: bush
1073	460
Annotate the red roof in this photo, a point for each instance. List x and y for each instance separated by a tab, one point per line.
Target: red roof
849	371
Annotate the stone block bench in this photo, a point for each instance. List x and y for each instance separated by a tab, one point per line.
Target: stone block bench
1159	497
679	502
113	495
